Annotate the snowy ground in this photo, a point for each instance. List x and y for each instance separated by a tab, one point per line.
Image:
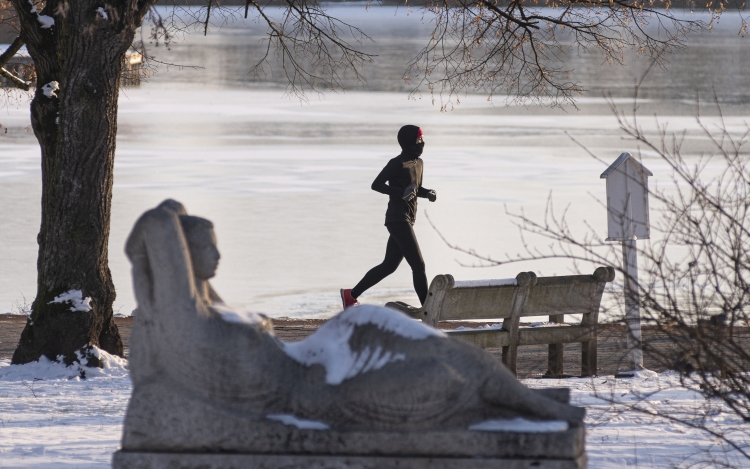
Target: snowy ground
52	418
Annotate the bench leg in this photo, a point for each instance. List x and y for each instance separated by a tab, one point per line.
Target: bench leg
510	358
555	359
588	358
510	324
556	352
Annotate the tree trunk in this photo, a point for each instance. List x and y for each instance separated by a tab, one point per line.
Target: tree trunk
76	127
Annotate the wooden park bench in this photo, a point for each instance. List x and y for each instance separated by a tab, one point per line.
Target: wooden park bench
510	300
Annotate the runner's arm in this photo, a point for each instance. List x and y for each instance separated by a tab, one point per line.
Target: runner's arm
426	193
379	184
423	192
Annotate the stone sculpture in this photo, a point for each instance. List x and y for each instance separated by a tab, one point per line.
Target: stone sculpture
209	378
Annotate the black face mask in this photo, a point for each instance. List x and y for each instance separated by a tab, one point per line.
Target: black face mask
414	150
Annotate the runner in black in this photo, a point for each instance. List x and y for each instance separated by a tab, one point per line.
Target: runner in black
401	180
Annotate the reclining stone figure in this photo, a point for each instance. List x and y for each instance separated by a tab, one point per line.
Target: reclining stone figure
368	368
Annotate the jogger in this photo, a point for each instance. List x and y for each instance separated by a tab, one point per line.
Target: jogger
401	180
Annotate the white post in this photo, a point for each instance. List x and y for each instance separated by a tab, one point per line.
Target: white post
628	221
632	310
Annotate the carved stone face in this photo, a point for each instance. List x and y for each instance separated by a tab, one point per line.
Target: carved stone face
203	252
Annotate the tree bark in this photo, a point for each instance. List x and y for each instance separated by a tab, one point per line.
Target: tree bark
76	127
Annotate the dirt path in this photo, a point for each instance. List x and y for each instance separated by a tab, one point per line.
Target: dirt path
532	360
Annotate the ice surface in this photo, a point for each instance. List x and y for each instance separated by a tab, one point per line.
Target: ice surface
520	425
279	177
291	420
329	345
76	300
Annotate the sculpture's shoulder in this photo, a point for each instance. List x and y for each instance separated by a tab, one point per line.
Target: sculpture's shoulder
260	322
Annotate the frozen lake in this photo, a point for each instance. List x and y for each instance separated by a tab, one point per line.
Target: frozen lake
287	184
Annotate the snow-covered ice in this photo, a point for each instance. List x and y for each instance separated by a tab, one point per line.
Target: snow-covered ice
76	300
247	158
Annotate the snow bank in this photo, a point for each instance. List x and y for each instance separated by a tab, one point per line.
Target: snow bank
292	420
329	345
520	425
51	418
618	436
46	369
76	299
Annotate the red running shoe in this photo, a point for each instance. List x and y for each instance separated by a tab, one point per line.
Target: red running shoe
347	299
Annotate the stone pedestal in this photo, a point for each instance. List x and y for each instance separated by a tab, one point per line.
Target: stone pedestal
128	460
280	447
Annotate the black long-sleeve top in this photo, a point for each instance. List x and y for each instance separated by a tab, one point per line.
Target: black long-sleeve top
398	174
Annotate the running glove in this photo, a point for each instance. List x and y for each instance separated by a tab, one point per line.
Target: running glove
410	192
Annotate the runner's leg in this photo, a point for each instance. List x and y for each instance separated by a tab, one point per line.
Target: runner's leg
404	235
389	265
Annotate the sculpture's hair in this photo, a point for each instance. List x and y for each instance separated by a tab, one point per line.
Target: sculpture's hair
191	224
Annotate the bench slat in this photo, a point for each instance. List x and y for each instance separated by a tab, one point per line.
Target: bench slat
484	338
553	335
563	298
478	302
487	338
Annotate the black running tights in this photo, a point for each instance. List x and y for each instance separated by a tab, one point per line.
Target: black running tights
401	244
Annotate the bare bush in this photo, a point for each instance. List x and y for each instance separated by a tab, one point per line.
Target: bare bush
694	277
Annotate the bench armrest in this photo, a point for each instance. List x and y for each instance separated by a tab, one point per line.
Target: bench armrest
405	308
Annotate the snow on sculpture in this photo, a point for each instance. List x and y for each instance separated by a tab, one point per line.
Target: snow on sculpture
220	371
